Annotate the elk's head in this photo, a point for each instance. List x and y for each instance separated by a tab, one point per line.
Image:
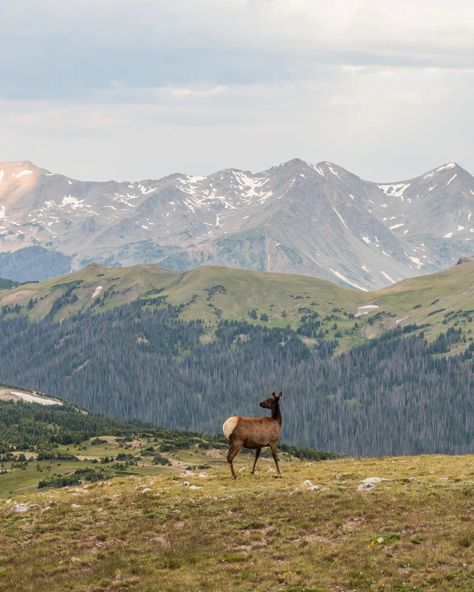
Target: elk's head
271	401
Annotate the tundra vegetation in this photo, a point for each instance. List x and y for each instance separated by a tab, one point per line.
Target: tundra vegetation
346	524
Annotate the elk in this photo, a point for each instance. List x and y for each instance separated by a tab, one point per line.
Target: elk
255	433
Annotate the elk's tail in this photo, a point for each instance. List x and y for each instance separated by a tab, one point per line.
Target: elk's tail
229	426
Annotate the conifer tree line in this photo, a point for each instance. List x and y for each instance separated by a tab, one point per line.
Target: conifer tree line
397	394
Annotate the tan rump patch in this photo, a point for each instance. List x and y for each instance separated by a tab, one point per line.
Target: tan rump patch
229	426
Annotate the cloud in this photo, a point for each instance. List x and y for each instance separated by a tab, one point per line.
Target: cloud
198	92
57	49
130	88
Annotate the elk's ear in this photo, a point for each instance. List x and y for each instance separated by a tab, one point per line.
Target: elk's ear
280	394
274	394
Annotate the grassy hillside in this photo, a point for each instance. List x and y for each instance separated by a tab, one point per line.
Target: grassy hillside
100	504
195	529
209	293
437	302
389	392
95	288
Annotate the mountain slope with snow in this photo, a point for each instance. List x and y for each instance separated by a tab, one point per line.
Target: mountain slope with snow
298	217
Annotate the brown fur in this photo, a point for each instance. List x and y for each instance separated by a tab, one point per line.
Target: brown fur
256	433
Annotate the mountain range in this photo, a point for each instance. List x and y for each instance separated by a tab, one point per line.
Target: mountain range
297	217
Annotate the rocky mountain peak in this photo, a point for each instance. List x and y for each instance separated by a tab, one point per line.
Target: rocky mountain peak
316	219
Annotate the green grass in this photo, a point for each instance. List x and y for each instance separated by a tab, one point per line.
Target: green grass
411	532
18	480
415	300
269	293
23	479
214	293
189	526
98	451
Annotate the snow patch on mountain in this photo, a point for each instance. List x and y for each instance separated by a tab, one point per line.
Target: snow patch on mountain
318	169
22	173
340	217
342	277
73	202
394	189
452	179
333	170
97	291
449	165
254	187
417	261
391	280
244	189
365	309
444	167
144	190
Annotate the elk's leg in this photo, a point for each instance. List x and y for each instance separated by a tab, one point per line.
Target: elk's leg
275	458
233	450
257	454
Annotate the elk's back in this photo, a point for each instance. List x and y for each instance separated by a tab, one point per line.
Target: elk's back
258	432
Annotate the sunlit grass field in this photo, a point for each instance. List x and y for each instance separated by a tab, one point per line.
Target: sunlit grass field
196	529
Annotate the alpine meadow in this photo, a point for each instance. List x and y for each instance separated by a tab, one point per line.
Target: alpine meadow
236	296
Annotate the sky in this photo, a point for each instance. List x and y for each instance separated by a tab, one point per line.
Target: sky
138	89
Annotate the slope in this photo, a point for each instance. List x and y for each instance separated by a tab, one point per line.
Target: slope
437	302
207	293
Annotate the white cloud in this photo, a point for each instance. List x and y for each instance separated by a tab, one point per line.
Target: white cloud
198	92
137	88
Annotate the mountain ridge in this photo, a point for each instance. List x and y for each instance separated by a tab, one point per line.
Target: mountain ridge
313	219
29	164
